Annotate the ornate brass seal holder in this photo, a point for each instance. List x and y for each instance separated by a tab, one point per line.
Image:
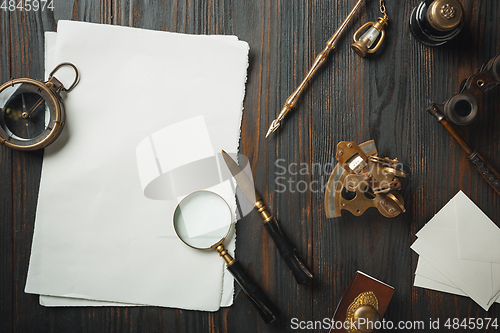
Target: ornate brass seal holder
362	180
364	306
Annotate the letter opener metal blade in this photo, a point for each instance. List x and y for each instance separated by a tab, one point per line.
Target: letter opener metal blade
286	249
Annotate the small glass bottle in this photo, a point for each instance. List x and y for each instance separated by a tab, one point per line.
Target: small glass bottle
436	22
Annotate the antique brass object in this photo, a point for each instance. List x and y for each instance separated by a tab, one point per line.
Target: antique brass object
291	101
31	112
437	22
364	306
363	45
445	15
224	254
362	180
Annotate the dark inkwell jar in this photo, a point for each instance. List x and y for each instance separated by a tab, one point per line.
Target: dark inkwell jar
435	22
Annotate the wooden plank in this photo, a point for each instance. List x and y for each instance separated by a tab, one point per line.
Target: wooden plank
442	165
27	60
271	48
382	97
348	104
384	119
6	211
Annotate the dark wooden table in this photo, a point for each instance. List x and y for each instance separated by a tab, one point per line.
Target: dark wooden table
382	97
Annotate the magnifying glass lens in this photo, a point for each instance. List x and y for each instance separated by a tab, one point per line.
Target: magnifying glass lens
202	219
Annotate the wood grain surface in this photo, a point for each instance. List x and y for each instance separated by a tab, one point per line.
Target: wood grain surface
382	97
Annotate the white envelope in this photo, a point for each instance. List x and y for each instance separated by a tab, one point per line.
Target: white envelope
478	236
428	277
443	242
424	282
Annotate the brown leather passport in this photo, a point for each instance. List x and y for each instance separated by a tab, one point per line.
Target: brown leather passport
362	283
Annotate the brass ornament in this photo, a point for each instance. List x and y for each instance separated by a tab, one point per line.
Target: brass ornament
262	210
445	15
362	180
369	33
229	260
365	305
448	11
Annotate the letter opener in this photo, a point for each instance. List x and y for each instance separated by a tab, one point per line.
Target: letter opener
285	248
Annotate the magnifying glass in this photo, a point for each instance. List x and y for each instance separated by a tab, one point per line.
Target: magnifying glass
202	220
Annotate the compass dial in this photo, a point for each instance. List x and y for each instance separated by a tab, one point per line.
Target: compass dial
31	115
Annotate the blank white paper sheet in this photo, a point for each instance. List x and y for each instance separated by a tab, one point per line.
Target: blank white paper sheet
97	236
459	252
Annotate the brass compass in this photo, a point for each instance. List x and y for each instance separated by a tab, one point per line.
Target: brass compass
31	112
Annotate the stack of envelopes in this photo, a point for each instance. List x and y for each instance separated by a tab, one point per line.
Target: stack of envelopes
459	252
146	100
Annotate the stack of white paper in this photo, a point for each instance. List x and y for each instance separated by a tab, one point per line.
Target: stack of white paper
97	236
459	252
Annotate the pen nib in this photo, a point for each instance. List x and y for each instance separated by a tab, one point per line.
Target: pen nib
274	126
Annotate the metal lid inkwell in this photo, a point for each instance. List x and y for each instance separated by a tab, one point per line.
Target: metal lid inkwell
436	22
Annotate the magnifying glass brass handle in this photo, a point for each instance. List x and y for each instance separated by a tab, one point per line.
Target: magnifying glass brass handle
264	305
288	252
